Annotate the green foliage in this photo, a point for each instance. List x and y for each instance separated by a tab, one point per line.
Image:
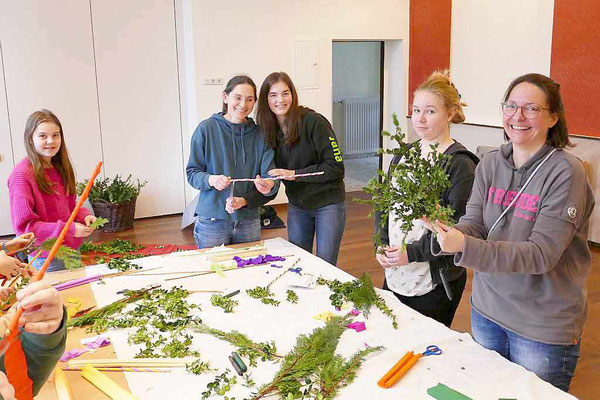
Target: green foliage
99	222
360	293
116	246
121	265
226	303
115	190
70	257
198	367
312	369
292	297
413	187
220	385
245	346
12	295
264	294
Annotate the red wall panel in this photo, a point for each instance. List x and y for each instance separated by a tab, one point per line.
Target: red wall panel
429	40
575	62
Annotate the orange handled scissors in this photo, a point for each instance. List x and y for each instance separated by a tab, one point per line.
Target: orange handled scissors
405	363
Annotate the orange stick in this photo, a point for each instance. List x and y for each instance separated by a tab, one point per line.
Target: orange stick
402	371
394	369
12	330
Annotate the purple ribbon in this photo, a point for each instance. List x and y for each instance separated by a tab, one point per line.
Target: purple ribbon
100	341
267	258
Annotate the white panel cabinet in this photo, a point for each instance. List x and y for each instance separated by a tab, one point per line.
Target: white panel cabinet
136	58
6	159
49	63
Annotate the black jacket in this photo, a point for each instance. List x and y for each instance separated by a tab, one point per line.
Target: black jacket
461	171
315	150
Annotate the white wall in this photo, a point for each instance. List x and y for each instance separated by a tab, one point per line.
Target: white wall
6	157
492	43
260	39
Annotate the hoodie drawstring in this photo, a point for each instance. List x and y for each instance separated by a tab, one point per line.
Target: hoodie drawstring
243	147
234	148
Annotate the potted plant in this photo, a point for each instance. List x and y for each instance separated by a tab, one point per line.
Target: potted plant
114	199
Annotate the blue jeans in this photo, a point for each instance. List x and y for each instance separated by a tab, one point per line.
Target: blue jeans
209	232
553	363
55	265
328	222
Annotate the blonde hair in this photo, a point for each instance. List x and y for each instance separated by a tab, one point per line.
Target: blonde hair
439	83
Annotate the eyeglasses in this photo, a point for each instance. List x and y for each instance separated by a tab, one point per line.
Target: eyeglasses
530	111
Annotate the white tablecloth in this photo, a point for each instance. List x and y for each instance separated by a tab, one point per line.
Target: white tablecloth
464	365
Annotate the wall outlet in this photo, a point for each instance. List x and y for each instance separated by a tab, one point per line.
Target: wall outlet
213	81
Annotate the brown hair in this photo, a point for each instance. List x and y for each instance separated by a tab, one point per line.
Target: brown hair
558	135
60	161
439	83
233	82
267	121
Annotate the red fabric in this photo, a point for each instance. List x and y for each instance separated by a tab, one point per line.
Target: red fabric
149	250
574	62
15	364
429	48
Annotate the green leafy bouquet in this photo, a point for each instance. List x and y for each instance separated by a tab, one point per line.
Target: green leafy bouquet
113	190
413	187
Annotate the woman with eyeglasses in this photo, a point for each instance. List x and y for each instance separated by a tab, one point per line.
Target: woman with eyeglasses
525	236
304	142
227	146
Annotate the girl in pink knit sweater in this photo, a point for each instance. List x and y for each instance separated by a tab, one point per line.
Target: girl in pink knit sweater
42	187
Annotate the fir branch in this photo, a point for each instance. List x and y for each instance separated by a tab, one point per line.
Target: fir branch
311	353
265	351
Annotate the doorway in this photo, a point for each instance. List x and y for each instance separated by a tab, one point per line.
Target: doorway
357	107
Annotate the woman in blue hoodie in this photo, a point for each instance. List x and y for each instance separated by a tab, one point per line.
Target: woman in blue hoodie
227	146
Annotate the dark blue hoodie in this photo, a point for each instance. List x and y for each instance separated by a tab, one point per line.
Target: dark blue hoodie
220	147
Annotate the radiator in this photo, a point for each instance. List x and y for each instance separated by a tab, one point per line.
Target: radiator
361	125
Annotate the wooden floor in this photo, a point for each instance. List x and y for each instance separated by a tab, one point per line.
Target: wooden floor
357	257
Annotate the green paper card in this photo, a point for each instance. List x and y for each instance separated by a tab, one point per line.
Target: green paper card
443	392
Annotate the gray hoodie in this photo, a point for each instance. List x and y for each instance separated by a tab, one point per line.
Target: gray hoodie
236	150
530	272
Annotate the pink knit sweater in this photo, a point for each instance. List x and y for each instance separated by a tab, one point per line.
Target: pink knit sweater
43	214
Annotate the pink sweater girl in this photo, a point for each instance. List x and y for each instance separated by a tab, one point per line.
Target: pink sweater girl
42	187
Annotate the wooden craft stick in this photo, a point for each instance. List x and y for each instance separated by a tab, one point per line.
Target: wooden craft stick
228	250
276	178
224	270
226	257
123	369
133	362
111	388
63	390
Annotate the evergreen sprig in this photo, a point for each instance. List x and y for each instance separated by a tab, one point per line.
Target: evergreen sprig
360	293
413	187
264	351
312	369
